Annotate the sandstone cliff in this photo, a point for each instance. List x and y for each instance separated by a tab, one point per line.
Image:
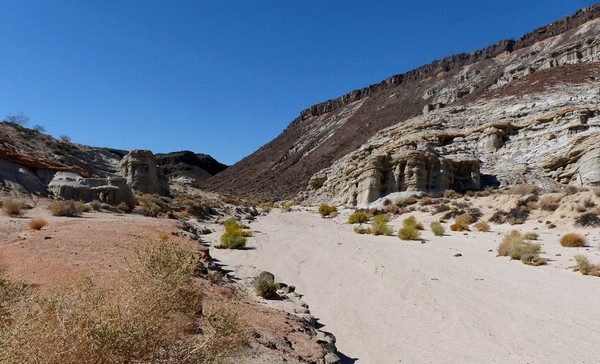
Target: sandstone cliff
328	131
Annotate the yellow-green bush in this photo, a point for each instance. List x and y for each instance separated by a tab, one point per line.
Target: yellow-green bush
326	210
531	236
409	232
234	237
379	225
437	229
358	217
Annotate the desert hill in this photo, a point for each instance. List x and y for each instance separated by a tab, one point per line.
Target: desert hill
565	52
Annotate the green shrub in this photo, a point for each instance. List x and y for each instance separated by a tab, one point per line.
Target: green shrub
437	228
67	208
264	285
412	221
573	240
531	236
286	207
326	210
379	225
358	217
409	232
234	237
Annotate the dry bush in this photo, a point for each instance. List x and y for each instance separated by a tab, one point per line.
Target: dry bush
379	225
326	210
464	219
392	209
572	240
437	229
123	207
37	224
362	230
286	207
510	241
531	236
358	217
68	208
482	226
588	219
11	207
571	190
585	267
457	226
523	249
549	203
451	194
154	317
407	201
151	205
427	200
516	215
524	189
443	207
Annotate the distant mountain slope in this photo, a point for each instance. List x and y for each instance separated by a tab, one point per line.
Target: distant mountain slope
328	131
186	163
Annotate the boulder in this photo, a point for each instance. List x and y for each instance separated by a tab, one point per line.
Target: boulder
110	190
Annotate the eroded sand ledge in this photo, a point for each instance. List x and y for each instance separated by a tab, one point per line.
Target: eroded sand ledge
390	301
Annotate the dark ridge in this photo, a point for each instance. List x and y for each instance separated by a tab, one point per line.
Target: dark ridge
187	163
456	61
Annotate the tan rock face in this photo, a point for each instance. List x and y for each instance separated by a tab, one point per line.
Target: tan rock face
140	169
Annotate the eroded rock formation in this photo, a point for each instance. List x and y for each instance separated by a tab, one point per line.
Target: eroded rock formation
110	190
141	171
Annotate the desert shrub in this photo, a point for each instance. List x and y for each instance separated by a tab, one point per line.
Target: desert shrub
443	207
482	226
573	240
409	232
68	208
392	209
150	205
96	205
326	210
451	194
379	225
265	286
588	219
358	217
571	190
412	221
532	259
287	207
521	249
588	203
11	207
362	230
234	237
585	267
531	236
407	201
156	316
464	219
123	207
458	226
509	242
549	203
37	224
437	228
427	200
524	189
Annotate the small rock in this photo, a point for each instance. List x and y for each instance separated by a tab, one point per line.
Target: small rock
331	358
558	255
551	226
458	255
47	237
301	310
489	251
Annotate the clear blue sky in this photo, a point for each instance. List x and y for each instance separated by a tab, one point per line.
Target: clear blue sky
224	77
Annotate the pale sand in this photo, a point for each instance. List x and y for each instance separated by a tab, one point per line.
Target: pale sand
392	301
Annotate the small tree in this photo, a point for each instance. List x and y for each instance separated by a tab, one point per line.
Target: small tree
19	119
65	138
39	129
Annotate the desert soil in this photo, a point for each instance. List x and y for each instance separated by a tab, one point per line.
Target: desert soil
392	301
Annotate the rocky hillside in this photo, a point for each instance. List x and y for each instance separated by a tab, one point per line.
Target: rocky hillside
455	95
189	166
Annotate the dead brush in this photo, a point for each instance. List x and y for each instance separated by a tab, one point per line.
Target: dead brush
12	208
155	315
37	224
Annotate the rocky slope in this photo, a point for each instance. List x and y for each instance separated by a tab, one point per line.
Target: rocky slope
189	166
329	131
